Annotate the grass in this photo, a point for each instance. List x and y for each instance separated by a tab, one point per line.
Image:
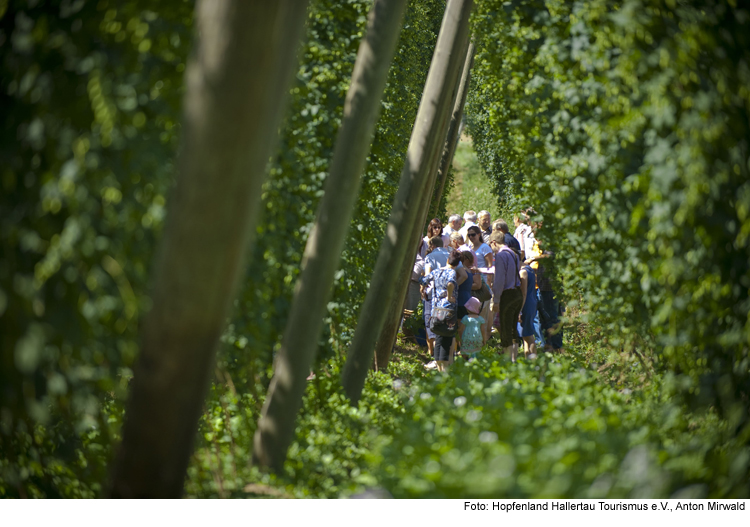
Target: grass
471	189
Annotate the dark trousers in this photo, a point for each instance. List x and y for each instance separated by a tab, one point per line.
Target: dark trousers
549	312
510	307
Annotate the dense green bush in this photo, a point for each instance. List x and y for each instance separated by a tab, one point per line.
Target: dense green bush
90	93
624	129
298	171
551	428
626	125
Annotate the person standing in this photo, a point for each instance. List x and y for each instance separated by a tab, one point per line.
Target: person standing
437	257
485	224
470	219
522	230
507	296
548	305
510	240
457	241
469	329
529	310
454	224
484	255
413	295
435	228
444	292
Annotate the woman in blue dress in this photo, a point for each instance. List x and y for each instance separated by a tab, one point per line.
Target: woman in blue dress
528	311
444	293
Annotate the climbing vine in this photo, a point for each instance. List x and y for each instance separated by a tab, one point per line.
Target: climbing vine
625	124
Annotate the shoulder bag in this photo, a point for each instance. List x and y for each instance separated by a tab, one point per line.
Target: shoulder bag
443	321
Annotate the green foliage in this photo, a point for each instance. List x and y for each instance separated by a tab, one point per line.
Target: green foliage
553	427
626	126
626	129
470	188
548	428
298	172
89	93
415	322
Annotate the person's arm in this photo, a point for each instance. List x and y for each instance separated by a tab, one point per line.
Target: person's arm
498	281
461	275
524	282
450	291
476	283
488	258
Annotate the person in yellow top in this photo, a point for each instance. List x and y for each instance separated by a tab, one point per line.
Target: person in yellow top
547	324
533	262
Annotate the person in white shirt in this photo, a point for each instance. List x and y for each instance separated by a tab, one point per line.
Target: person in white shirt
454	223
470	219
522	231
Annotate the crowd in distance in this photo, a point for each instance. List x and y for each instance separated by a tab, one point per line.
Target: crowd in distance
494	282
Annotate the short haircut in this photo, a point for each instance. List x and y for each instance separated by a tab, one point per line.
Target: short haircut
500	225
470	215
454	259
483	213
498	237
455	235
454	217
436	241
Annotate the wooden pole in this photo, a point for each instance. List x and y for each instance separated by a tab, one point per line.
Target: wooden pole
323	251
387	338
427	136
237	81
449	150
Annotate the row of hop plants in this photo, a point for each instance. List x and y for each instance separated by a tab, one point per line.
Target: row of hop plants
92	95
625	125
554	427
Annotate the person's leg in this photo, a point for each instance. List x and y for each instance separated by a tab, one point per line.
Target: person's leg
538	332
527	330
554	331
487	315
514	308
543	306
443	347
510	308
430	338
529	345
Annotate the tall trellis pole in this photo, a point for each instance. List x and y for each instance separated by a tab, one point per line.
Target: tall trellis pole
387	339
428	137
323	251
234	96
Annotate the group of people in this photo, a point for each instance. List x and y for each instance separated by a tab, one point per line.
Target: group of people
492	280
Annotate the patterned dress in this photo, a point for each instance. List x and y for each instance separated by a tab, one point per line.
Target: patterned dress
471	342
442	278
